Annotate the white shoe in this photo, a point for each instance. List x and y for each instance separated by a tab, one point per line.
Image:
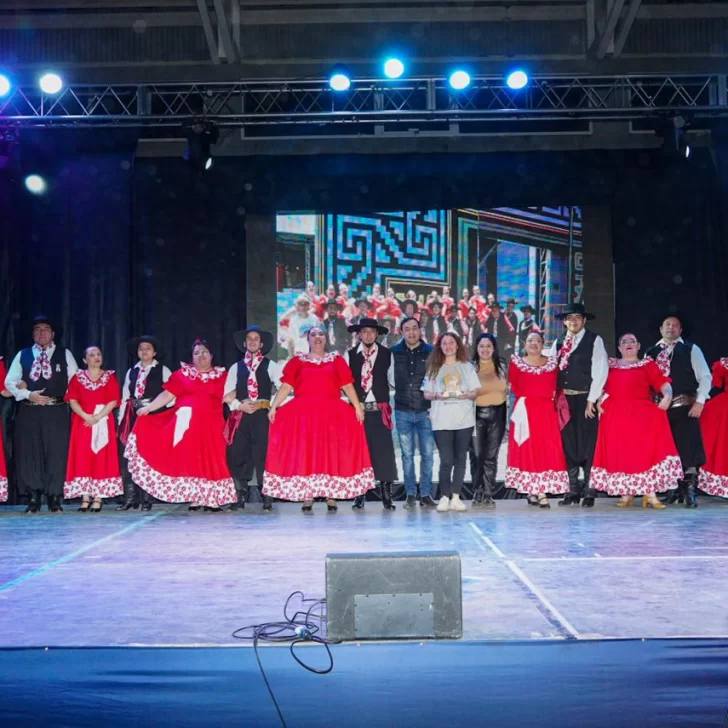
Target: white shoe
456	504
444	504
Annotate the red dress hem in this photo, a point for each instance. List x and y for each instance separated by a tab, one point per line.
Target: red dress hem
318	485
659	478
712	483
94	487
548	481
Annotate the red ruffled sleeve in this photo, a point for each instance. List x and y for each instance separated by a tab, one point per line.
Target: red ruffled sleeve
343	373
719	374
73	391
656	377
290	372
176	384
113	389
3	374
513	377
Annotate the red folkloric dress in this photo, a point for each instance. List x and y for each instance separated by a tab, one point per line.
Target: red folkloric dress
178	456
536	462
316	446
93	457
636	453
714	425
3	465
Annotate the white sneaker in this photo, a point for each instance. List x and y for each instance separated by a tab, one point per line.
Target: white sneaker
456	504
444	504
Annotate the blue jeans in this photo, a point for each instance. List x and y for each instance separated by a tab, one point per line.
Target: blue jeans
409	426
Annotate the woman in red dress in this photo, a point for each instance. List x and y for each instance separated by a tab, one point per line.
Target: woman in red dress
3	464
179	455
93	470
536	463
635	453
317	447
714	424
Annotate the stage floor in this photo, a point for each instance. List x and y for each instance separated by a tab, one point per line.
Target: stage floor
176	578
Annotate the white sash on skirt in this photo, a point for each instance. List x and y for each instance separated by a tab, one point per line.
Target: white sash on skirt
519	418
184	415
100	432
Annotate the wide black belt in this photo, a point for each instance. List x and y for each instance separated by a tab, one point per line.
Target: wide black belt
52	402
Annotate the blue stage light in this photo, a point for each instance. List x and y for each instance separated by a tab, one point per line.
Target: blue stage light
5	85
459	80
50	83
393	68
517	79
340	80
35	184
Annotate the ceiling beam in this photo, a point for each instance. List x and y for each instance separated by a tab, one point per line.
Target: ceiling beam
607	36
626	26
209	32
225	33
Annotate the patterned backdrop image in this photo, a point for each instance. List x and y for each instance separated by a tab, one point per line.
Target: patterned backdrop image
467	259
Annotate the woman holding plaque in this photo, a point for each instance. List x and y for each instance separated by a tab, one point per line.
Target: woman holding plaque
451	384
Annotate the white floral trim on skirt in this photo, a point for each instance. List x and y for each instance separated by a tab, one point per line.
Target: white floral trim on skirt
106	488
177	489
3	489
713	484
659	478
317	485
549	481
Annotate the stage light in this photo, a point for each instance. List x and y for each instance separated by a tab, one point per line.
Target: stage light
35	183
459	80
686	151
340	79
50	83
517	80
393	68
5	85
201	135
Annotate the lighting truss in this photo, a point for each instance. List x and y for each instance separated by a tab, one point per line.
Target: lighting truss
420	101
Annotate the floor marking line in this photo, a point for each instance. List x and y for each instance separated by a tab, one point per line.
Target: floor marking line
544	600
78	552
686	557
491	545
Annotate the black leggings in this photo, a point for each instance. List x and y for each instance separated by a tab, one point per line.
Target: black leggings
490	424
452	446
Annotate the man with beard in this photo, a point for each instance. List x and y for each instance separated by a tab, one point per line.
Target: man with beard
691	379
583	370
337	338
436	325
526	327
369	363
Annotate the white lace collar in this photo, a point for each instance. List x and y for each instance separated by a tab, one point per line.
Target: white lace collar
524	366
190	371
615	363
724	362
87	383
315	360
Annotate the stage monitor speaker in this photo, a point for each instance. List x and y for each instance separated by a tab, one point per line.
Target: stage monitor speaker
385	596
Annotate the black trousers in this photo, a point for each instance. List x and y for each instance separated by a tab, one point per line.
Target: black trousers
579	439
452	445
688	437
41	448
381	447
249	449
490	425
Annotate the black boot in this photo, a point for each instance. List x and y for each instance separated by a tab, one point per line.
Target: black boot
54	504
387	496
35	502
359	502
588	500
410	503
478	498
674	495
267	504
129	498
573	497
691	490
241	488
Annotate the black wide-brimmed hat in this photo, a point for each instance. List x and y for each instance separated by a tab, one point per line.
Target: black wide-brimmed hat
265	336
684	321
359	302
412	302
511	300
367	323
528	309
43	319
436	303
576	308
334	302
132	346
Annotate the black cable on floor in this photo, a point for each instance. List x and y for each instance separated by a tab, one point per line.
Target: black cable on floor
301	627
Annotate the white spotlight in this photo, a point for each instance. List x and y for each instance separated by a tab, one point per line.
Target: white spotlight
459	80
35	183
50	83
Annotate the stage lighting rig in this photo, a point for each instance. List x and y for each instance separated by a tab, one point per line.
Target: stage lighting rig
675	143
517	79
340	78
393	68
459	80
5	85
201	135
50	83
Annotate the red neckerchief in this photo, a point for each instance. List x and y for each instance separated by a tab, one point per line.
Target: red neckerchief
252	361
41	366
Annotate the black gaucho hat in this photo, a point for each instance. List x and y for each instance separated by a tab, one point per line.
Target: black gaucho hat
528	308
684	321
367	323
334	302
575	308
265	336
43	319
132	346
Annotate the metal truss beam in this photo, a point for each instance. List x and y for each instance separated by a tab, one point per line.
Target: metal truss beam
419	102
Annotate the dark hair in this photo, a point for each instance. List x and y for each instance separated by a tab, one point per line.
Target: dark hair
407	319
539	333
200	342
497	361
437	358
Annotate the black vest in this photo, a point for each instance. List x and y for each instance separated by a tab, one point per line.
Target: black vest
380	385
265	386
57	385
682	374
410	366
154	384
577	375
524	329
